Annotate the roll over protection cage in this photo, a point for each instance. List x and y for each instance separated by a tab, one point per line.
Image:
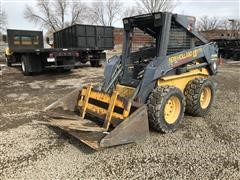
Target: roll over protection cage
157	25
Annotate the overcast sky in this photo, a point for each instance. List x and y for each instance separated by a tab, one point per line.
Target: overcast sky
222	8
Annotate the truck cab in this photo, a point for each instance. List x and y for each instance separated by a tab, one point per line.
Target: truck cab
27	47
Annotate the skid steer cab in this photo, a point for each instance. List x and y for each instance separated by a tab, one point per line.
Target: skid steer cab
152	83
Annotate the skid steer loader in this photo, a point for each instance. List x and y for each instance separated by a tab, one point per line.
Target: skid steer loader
147	85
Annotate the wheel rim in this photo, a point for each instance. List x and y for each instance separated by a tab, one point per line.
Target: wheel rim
23	66
205	97
172	110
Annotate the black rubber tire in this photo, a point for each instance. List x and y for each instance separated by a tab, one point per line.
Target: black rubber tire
9	64
156	104
95	63
25	65
236	56
192	94
84	61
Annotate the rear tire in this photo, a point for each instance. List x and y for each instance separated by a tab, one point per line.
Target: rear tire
236	56
166	106
200	94
25	65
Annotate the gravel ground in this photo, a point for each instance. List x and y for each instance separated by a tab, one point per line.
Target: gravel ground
202	148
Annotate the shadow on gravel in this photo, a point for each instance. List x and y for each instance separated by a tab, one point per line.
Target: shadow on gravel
72	140
52	72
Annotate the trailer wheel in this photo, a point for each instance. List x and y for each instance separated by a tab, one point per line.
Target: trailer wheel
25	65
200	94
166	106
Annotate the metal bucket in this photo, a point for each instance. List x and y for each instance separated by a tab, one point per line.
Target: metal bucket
63	114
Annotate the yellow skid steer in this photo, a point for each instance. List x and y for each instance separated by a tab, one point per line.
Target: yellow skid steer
147	85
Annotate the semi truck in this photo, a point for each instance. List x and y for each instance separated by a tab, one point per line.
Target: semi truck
72	45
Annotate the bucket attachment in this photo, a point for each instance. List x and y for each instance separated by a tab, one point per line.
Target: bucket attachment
98	119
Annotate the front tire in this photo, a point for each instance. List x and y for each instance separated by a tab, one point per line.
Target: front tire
166	106
200	94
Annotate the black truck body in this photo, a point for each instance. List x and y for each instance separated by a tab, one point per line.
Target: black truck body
89	39
228	48
85	36
73	45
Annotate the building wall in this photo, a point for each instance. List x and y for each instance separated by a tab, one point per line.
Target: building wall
139	37
218	34
139	40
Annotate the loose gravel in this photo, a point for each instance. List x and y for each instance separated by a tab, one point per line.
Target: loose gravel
202	148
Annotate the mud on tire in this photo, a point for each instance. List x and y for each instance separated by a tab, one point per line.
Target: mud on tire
156	108
193	93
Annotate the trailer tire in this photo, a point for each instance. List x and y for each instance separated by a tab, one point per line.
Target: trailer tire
25	63
166	106
200	94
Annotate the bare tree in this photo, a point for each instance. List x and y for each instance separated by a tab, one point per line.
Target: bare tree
57	14
232	26
3	21
105	12
208	23
130	11
150	6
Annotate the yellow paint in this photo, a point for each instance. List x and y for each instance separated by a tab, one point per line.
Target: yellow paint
180	81
8	52
111	106
172	110
26	42
104	111
16	42
101	96
85	101
125	91
205	97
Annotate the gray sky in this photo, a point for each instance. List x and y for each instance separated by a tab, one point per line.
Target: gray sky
222	8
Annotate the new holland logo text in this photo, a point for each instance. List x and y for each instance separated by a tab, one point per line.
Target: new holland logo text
184	56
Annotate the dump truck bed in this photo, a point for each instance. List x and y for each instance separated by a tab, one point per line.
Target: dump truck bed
82	36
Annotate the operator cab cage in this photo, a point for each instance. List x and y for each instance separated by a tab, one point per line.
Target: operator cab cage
170	33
